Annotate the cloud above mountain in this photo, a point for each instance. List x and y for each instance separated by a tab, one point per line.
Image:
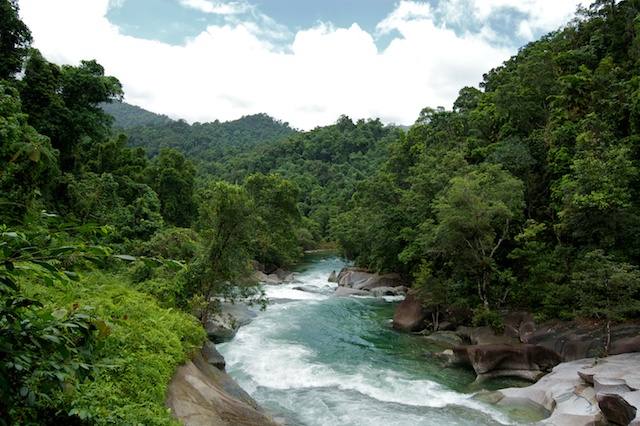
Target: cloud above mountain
204	60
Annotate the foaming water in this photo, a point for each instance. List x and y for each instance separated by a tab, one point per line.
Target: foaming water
335	361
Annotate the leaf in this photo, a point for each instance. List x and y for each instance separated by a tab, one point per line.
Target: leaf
126	257
150	262
69	325
103	329
45	265
52	338
59	313
61	250
72	276
8	282
95	260
174	263
5	348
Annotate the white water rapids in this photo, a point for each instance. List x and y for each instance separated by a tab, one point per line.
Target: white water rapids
321	360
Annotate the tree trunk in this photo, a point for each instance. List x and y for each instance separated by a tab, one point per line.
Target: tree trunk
607	341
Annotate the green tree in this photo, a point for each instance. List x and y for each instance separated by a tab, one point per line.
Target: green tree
65	104
28	163
595	200
227	223
42	351
275	201
607	289
473	219
435	289
15	39
132	208
173	178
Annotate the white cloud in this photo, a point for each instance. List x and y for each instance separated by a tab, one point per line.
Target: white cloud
115	4
541	14
239	69
217	7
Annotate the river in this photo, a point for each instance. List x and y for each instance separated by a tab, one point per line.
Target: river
321	360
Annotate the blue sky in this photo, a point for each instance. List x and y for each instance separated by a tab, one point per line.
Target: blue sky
305	62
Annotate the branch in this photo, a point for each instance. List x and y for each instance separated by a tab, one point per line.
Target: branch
504	234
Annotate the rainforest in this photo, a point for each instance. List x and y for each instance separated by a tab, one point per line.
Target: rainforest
122	230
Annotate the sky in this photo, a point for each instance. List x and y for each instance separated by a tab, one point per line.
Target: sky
304	62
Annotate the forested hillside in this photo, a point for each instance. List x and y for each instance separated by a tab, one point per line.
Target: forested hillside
524	195
127	116
105	256
325	163
509	199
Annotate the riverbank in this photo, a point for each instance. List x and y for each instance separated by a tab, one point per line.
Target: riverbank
588	391
530	351
202	394
324	360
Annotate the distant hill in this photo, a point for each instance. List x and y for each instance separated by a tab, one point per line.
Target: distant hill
209	141
128	116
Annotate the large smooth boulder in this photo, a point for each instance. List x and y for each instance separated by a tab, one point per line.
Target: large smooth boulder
222	326
346	291
573	390
486	359
519	325
377	280
616	409
262	277
410	314
212	356
483	336
447	339
578	341
202	395
351	274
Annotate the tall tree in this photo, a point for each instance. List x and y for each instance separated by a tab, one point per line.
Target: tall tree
473	219
173	177
65	104
276	206
28	163
227	223
15	39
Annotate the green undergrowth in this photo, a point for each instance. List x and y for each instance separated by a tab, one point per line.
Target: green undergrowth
142	345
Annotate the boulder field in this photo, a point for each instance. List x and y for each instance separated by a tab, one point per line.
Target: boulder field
590	391
574	386
353	281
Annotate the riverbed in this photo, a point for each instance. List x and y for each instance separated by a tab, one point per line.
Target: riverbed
319	360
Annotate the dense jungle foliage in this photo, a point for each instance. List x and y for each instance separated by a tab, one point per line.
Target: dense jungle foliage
509	199
112	236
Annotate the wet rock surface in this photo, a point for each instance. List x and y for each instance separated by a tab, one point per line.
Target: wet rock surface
200	394
360	282
222	326
409	314
583	392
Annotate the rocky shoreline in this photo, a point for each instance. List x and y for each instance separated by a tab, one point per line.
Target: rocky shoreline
202	394
573	385
590	391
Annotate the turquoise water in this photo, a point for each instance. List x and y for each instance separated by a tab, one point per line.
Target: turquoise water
328	361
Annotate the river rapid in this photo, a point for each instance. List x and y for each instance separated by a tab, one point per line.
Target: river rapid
322	360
